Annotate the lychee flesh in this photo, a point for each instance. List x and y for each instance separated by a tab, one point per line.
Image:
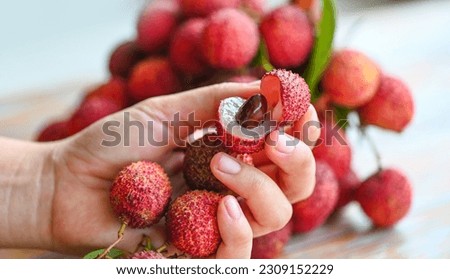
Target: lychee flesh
140	194
184	48
230	39
288	35
147	254
205	7
54	131
123	59
347	188
351	79
391	108
312	212
385	197
153	77
270	246
191	223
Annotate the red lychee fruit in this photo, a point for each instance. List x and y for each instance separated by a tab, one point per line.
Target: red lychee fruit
153	77
115	90
288	35
385	197
351	79
347	188
311	213
334	148
270	246
54	131
185	46
123	59
140	194
244	124
156	24
191	223
230	39
147	254
206	7
391	108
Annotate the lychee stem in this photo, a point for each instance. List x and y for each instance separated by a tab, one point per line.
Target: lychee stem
163	247
120	235
372	146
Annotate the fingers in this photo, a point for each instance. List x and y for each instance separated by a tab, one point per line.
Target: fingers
264	204
236	233
294	167
307	129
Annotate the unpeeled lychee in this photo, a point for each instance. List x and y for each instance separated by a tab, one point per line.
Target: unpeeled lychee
385	197
153	77
288	35
351	79
391	108
313	212
348	184
54	131
270	246
230	39
147	254
191	223
123	58
140	194
205	7
115	90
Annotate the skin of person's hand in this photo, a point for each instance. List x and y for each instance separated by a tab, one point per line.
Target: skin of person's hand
81	218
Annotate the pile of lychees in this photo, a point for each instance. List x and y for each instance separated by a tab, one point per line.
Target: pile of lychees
184	44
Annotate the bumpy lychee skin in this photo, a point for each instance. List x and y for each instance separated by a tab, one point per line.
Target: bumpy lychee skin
191	223
230	39
334	148
147	254
156	24
347	188
140	194
123	58
115	90
391	108
196	165
54	131
313	212
184	48
288	35
385	197
205	7
270	246
351	79
153	77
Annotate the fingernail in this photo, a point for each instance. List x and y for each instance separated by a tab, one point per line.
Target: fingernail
285	144
228	164
233	208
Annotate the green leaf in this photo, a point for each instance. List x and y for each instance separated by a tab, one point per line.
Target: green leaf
323	46
341	116
114	253
262	58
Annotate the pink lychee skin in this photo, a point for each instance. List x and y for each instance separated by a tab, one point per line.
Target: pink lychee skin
205	7
123	58
288	35
391	108
270	246
347	188
147	255
184	48
153	77
54	131
140	194
385	197
114	90
156	24
230	39
191	223
311	213
351	79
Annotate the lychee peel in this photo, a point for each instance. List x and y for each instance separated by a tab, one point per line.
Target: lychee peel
123	59
191	223
347	188
140	194
54	131
270	246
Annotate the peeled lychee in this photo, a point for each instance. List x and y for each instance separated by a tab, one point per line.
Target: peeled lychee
385	197
115	90
156	24
347	188
351	79
153	77
313	212
230	39
54	131
206	7
147	254
391	108
191	223
270	246
185	46
123	59
140	194
288	35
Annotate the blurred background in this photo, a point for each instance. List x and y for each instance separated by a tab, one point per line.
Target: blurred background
51	51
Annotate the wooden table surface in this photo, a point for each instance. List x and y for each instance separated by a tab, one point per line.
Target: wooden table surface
411	40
